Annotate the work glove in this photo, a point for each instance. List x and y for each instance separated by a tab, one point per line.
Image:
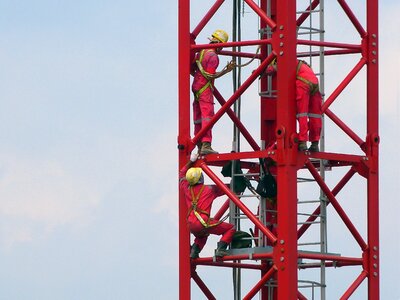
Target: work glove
271	70
194	157
230	65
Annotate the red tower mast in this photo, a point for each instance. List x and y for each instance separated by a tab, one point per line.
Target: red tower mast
278	125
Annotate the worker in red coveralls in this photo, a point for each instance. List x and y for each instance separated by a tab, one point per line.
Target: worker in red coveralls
204	72
199	198
308	102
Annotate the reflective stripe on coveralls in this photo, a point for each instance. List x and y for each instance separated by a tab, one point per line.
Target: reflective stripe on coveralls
317	116
204	73
201	120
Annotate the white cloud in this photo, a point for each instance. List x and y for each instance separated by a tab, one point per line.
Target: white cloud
37	197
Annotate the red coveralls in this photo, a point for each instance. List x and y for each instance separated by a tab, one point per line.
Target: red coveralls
203	104
308	101
207	196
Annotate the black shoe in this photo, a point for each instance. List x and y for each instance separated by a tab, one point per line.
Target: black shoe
314	147
194	251
302	146
221	249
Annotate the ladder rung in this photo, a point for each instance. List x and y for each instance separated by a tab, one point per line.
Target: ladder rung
309	244
309	30
269	94
309	11
308	215
301	223
308	201
303	179
247	196
246	174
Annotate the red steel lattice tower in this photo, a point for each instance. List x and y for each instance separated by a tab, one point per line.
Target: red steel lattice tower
278	126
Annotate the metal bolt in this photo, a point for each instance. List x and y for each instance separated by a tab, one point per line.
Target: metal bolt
373	44
375	274
282	258
281	53
375	266
281	27
374	52
374	61
273	152
282	242
281	35
374	35
281	44
375	248
375	256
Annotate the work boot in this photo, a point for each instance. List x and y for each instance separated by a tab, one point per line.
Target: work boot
302	146
199	147
194	251
314	147
206	149
221	249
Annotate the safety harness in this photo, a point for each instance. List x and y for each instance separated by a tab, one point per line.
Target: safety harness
197	211
314	87
204	73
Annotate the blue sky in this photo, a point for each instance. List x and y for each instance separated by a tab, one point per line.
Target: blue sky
88	160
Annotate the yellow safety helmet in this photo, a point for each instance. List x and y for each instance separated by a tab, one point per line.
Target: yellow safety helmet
220	36
193	175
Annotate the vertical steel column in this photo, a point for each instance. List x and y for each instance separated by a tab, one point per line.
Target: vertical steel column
236	77
323	199
268	102
285	251
373	149
183	139
267	130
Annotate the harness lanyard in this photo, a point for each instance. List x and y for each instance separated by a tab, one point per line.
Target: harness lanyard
197	211
204	73
314	87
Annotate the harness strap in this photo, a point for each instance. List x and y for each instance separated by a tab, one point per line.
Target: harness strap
314	87
204	73
197	211
200	91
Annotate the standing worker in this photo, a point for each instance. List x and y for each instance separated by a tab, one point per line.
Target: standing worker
204	73
308	102
199	199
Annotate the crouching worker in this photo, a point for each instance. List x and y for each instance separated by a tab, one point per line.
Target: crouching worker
199	199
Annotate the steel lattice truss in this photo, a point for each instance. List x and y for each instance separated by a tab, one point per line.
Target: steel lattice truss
284	253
